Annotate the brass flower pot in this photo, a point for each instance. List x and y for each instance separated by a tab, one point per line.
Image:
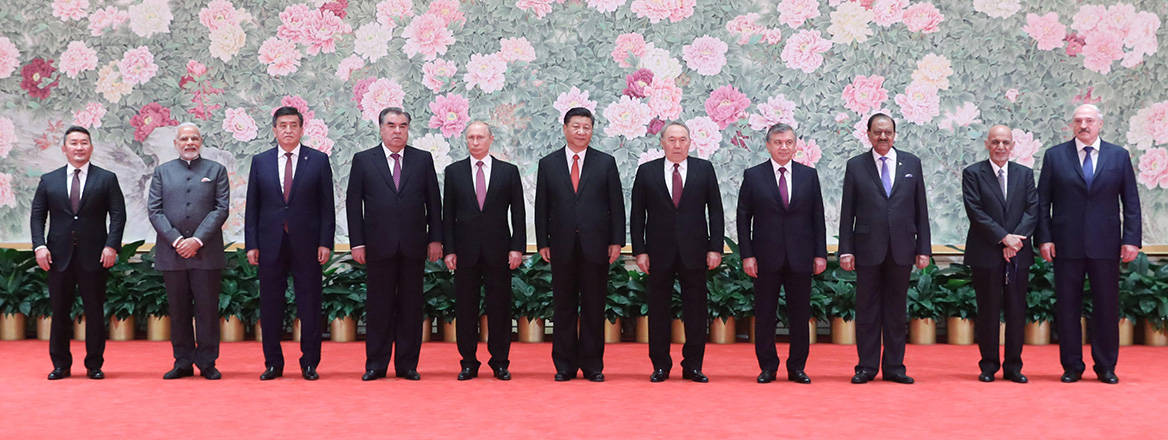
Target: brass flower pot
483	328
450	330
749	329
922	331
722	331
812	325
1127	330
1153	336
44	326
296	330
843	332
1001	333
1083	330
530	330
427	328
79	329
257	328
677	331
343	329
231	329
121	329
1037	333
960	330
642	333
12	326
612	331
157	328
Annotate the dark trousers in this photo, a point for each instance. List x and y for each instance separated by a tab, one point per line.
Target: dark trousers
63	286
393	313
797	286
1104	320
579	288
201	287
881	292
306	283
693	312
469	280
995	298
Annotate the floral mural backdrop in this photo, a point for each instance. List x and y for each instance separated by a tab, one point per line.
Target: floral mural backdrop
131	70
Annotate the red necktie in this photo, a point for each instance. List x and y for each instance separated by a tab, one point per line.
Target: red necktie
287	176
676	186
575	173
481	186
783	187
75	191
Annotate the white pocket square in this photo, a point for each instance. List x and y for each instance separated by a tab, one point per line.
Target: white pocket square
205	179
908	176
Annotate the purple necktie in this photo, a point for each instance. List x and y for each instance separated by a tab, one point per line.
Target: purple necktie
481	186
287	176
885	176
676	186
783	187
75	191
396	170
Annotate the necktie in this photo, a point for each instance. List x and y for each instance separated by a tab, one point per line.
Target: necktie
783	187
885	176
1088	166
396	170
287	176
575	172
677	184
481	185
75	191
1002	182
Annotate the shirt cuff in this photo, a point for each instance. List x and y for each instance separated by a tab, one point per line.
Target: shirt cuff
357	247
175	243
39	248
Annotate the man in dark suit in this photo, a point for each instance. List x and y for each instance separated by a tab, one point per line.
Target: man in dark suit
188	203
673	240
288	228
1002	205
884	222
1082	183
482	247
579	229
76	199
395	222
783	240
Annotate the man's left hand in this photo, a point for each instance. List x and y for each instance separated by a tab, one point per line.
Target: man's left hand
1127	253
514	259
613	252
713	260
108	257
434	251
322	255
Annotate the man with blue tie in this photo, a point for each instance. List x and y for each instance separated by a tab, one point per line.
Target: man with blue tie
1082	183
884	230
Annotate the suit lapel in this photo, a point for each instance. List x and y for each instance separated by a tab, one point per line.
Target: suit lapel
987	174
1071	153
408	167
874	172
898	175
492	183
658	176
771	185
381	165
301	168
585	170
90	182
796	176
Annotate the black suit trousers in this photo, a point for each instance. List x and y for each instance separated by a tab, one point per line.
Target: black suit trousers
881	313
693	312
306	283
201	287
797	287
469	281
63	287
579	287
393	313
1104	321
995	299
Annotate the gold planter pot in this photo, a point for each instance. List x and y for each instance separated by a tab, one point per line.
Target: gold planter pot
12	326
1001	333
677	331
642	332
157	328
79	329
427	328
749	329
450	331
960	330
296	330
843	332
44	326
1037	333
343	329
612	331
1127	330
1155	337
530	330
257	329
483	328
121	329
1083	330
231	329
812	325
722	331
922	331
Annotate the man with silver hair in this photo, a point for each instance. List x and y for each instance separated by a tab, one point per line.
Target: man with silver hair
187	205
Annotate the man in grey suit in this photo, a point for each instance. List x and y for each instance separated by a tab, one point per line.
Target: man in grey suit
188	203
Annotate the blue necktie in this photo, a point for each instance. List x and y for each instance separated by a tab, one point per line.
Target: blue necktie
885	176
1088	167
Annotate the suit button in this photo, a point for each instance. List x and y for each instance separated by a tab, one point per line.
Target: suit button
74	217
188	190
188	203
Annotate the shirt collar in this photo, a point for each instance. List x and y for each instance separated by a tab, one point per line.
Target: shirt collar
891	155
295	151
681	165
385	149
569	152
1079	145
84	169
486	161
997	168
776	166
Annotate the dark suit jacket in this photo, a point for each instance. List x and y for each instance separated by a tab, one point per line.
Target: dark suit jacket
1081	222
470	232
991	218
189	201
596	212
871	221
662	230
391	221
774	235
100	197
309	213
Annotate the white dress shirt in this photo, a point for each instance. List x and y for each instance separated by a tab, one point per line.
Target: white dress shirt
474	170
682	168
69	168
401	158
776	166
570	153
281	160
1079	145
1005	175
891	164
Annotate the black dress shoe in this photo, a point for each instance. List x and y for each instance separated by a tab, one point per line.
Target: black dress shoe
985	377
1015	377
1108	377
798	377
309	373
468	373
59	373
409	375
1071	376
596	377
900	378
766	376
272	373
659	375
863	377
95	374
502	374
179	372
694	375
211	373
372	375
564	377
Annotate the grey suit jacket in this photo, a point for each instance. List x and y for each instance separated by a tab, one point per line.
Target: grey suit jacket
189	201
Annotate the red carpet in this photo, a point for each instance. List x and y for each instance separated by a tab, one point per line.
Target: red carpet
947	401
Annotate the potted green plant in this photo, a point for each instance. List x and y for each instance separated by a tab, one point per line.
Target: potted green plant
16	273
438	297
958	302
150	290
639	306
731	295
843	306
343	297
121	293
820	302
1040	303
531	296
1134	276
1149	299
239	298
924	307
616	302
37	302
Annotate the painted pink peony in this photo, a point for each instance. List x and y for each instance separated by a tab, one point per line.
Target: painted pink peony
1154	168
705	135
9	57
427	35
150	17
627	117
108	17
381	93
919	103
571	99
90	116
34	75
435	73
137	66
804	50
777	109
849	23
70	10
226	42
371	40
1025	147
294	23
626	45
315	131
657	10
1149	126
448	10
1101	50
150	117
241	126
934	70
322	31
664	98
745	26
965	115
7	195
299	103
807	152
388	11
540	8
281	56
1012	95
77	58
886	13
865	93
7	136
726	105
923	17
706	55
794	13
451	112
516	49
636	82
650	155
1046	30
605	6
485	72
348	65
220	14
